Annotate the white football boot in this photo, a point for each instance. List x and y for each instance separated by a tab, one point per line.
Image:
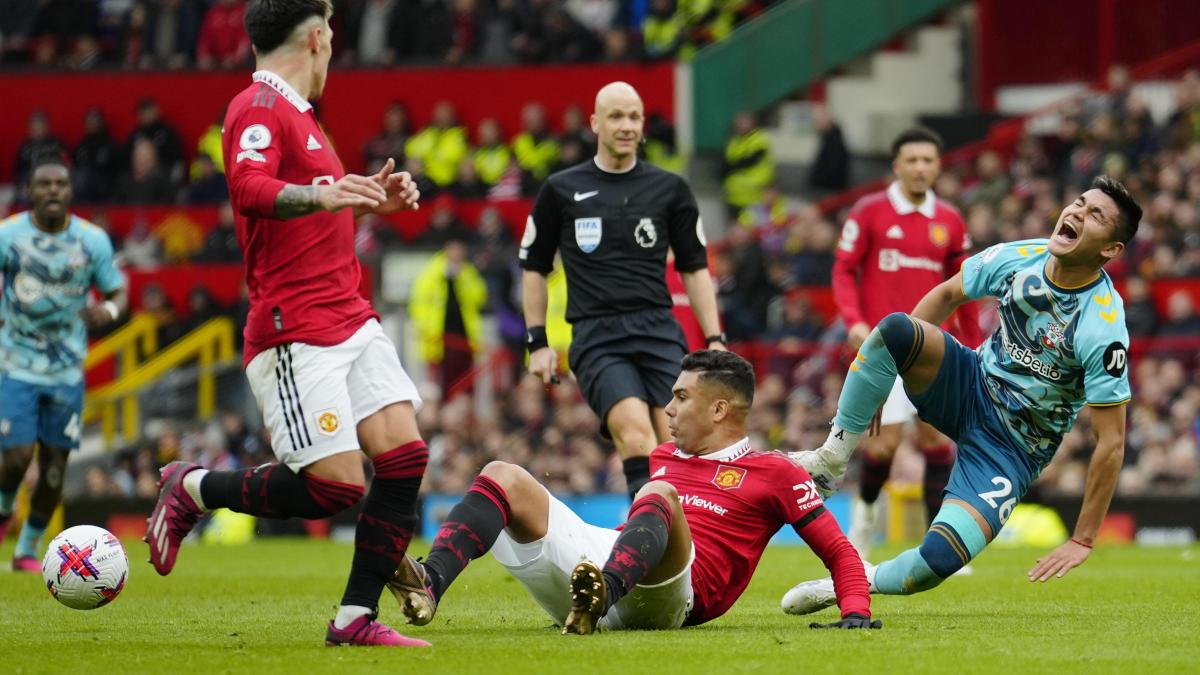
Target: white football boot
815	595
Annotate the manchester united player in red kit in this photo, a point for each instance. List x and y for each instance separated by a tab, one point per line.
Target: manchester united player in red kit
896	245
326	377
694	535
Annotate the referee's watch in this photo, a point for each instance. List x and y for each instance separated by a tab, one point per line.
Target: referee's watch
719	337
535	338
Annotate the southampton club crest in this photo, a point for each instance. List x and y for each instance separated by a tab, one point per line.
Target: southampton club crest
587	234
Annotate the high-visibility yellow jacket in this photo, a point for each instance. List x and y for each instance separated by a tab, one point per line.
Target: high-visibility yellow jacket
535	156
427	305
751	168
441	150
491	162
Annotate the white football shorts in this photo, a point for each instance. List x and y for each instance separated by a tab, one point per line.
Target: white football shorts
544	567
312	398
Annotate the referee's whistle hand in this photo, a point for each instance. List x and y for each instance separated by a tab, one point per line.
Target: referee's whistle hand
544	363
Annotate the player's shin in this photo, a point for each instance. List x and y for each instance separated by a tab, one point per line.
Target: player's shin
639	547
469	531
951	542
270	491
385	526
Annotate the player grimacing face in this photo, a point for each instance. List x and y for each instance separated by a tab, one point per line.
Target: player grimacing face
50	193
917	166
1086	230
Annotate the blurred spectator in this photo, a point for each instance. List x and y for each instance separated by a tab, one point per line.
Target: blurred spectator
221	243
170	31
992	183
660	147
389	142
466	184
795	321
168	149
201	308
663	30
95	160
209	146
831	168
141	249
594	15
39	143
813	265
223	40
445	304
772	214
748	167
743	287
464	34
155	303
1141	319
535	148
60	23
444	225
617	46
17	23
1181	316
492	156
146	182
208	185
375	31
441	145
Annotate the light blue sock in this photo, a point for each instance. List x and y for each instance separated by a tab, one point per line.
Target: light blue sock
953	540
868	383
8	499
31	537
905	574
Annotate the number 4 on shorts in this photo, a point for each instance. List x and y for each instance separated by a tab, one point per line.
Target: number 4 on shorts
72	429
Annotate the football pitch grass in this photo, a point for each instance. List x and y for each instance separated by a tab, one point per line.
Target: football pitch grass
261	608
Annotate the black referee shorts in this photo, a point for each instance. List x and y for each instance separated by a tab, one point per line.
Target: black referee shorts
634	354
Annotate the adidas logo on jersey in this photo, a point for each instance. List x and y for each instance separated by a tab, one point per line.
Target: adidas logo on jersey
312	143
894	232
662	471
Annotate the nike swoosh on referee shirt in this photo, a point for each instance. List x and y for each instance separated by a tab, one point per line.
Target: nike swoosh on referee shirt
580	196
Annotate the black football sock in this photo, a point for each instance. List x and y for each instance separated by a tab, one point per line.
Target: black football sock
874	475
386	523
639	547
469	531
637	474
274	491
939	462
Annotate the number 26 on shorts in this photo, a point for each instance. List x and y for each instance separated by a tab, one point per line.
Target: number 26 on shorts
1004	509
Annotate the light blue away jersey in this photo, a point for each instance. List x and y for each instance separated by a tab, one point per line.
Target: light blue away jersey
47	278
1056	348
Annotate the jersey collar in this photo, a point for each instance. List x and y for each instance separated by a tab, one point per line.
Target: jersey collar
903	207
728	454
614	173
280	85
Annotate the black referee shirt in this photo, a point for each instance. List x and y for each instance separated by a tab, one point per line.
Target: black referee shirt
613	230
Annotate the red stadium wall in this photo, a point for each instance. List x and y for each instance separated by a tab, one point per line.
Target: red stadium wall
351	109
1035	41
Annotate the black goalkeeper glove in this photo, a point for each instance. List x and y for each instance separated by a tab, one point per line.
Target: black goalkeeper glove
851	621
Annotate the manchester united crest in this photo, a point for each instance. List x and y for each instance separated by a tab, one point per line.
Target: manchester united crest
328	421
729	477
939	235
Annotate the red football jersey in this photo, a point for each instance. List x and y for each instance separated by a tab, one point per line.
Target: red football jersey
892	253
302	273
735	500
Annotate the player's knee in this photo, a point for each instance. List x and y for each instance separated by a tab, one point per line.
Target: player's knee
661	488
900	334
507	476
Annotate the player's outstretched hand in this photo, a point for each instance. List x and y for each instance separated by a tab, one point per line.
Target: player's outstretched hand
1061	560
402	192
351	191
544	364
850	621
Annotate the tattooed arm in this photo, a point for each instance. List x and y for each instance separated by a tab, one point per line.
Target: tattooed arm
351	191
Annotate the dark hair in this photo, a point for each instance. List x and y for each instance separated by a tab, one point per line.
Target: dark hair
916	135
269	23
1131	213
48	159
726	369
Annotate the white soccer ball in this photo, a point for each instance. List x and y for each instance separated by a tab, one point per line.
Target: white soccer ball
85	567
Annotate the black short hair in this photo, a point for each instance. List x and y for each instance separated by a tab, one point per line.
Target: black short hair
725	369
269	23
48	159
916	135
1131	213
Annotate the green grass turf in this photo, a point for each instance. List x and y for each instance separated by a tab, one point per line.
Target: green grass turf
261	608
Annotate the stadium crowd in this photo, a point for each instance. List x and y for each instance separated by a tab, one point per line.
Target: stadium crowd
208	34
772	256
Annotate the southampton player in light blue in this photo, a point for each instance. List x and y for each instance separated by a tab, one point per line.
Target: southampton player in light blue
1061	344
50	261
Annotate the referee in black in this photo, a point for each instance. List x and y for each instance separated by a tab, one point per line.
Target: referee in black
613	218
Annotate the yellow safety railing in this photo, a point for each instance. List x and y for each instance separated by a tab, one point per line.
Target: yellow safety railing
211	345
133	342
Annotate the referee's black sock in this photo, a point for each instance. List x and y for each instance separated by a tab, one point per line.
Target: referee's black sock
639	547
637	474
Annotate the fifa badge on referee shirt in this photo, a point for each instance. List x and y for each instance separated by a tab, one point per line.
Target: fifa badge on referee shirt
587	234
729	477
